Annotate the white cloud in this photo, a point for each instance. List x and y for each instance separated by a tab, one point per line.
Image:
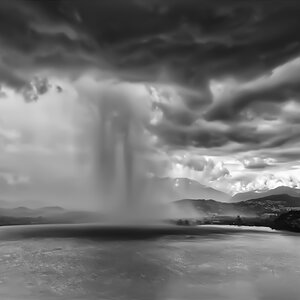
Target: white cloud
255	163
266	181
203	169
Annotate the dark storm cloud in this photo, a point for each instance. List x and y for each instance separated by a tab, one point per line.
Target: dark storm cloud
11	78
279	87
283	155
231	138
187	43
178	116
196	40
28	47
182	136
289	154
192	41
207	135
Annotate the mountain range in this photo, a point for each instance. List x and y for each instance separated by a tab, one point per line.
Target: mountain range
51	214
186	194
281	190
272	204
182	188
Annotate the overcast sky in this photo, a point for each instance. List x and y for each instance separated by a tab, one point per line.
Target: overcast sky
219	80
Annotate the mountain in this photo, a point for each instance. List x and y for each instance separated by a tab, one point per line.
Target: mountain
183	188
186	208
207	207
269	204
281	190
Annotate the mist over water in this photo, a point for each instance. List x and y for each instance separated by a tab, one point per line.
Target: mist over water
121	169
125	189
116	153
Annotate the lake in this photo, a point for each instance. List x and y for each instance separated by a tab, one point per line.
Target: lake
82	262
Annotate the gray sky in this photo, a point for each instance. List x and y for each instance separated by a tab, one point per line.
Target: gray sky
218	80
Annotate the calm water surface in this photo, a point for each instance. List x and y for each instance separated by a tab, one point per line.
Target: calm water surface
237	264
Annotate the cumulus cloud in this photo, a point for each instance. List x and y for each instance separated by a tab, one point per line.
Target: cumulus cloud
255	163
265	182
204	169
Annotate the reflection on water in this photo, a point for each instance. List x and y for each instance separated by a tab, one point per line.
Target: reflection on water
237	265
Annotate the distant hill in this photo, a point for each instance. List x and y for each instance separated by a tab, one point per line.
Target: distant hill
182	188
259	206
23	211
270	204
50	214
199	201
281	190
207	207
